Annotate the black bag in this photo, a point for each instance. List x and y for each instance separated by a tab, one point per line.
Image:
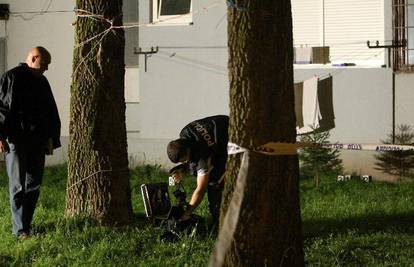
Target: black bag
157	201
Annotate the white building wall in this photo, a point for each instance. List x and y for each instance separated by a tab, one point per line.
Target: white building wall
187	79
48	23
184	84
53	30
404	98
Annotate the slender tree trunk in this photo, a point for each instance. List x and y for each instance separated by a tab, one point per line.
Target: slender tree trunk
262	204
317	178
98	177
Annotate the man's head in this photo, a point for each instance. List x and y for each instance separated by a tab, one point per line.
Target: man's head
178	150
38	59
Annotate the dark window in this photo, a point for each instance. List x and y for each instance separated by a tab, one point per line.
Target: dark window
172	12
174	7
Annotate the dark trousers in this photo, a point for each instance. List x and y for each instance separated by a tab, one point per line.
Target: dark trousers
25	164
214	192
216	186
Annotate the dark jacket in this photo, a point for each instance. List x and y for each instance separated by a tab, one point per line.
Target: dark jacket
28	111
208	140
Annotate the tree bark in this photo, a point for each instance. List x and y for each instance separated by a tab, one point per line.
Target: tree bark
266	221
98	176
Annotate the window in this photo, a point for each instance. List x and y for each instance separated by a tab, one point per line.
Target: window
343	26
403	33
172	11
130	17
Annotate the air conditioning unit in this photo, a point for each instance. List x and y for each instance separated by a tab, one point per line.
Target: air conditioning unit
320	55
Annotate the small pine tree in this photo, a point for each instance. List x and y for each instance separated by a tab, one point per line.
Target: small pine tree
400	163
317	160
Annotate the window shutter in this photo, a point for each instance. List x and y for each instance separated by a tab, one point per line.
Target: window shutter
130	11
343	25
349	24
307	22
130	17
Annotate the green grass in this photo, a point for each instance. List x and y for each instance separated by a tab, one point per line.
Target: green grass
358	224
78	242
345	224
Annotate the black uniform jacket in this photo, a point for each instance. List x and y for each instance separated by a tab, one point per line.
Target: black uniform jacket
209	137
28	111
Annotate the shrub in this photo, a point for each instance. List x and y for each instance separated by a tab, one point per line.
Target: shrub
316	159
400	163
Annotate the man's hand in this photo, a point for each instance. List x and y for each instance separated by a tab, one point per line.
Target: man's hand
178	176
186	216
187	213
4	146
198	194
178	171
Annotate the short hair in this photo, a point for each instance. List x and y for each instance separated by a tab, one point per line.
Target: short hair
45	54
177	149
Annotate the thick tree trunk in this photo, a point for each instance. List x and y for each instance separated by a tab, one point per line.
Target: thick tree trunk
98	177
268	227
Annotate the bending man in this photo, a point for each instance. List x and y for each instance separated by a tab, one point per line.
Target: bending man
203	145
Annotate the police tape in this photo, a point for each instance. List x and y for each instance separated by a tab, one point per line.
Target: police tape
280	148
271	148
370	147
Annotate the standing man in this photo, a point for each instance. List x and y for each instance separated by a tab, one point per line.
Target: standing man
203	145
29	129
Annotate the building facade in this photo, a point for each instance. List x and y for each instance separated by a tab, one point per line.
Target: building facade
187	77
176	65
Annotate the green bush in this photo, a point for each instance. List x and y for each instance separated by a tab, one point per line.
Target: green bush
316	160
399	163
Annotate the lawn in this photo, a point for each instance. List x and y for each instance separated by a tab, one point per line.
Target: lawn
345	224
358	224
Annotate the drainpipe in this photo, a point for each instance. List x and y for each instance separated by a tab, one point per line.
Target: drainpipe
323	23
393	106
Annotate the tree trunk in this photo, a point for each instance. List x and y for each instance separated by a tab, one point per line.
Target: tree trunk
98	176
317	178
264	208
